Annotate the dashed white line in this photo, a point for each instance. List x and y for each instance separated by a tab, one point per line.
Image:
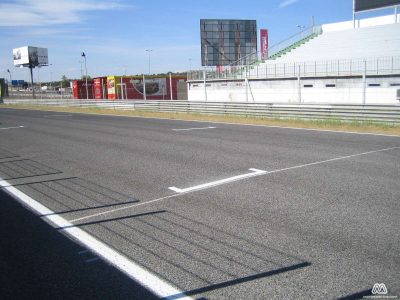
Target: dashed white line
5	128
48	116
92	260
200	128
255	172
150	281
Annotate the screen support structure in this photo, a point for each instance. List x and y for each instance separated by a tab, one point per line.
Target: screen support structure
33	88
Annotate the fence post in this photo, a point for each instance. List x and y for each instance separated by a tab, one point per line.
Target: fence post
170	86
205	85
365	82
144	89
299	83
246	88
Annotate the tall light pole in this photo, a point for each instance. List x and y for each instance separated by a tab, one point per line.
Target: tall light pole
87	92
149	51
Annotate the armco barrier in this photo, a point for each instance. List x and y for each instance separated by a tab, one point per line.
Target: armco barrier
350	112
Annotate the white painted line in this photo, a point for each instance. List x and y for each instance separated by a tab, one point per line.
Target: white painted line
255	172
83	252
123	208
189	129
48	116
332	159
148	280
92	259
5	128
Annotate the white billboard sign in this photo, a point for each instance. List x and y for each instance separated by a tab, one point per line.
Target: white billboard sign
30	56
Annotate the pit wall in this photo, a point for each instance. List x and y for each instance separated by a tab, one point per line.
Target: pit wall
320	90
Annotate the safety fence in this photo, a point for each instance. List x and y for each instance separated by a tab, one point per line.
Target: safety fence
375	66
372	113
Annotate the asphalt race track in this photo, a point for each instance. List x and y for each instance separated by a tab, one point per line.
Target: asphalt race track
210	210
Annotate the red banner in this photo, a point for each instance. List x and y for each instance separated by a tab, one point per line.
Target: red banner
264	43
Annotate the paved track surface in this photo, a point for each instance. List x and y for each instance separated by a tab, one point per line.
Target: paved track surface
322	223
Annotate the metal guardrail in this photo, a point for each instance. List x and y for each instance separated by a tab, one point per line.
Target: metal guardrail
350	112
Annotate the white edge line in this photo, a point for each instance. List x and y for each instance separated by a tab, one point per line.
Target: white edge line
255	172
134	271
226	123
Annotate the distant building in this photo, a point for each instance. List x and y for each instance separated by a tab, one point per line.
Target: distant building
225	42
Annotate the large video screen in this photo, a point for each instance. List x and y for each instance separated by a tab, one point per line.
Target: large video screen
362	5
225	42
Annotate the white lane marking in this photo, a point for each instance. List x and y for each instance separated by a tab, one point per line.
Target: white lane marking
189	129
255	172
83	252
266	173
5	128
48	116
92	259
150	281
123	208
332	159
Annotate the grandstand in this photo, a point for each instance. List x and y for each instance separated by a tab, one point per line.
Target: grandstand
372	41
346	62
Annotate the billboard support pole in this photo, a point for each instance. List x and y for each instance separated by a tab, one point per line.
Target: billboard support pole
354	14
33	89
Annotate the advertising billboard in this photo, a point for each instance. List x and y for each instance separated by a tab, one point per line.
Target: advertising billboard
362	5
264	43
30	56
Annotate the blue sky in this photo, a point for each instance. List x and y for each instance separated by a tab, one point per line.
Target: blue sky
115	33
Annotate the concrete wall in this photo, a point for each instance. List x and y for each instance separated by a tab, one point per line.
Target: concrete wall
325	90
369	22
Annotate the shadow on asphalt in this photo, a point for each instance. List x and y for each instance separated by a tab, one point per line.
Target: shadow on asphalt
38	262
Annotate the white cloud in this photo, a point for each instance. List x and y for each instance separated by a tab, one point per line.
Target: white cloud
287	3
50	12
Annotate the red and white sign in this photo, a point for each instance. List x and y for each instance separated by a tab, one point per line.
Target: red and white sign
264	43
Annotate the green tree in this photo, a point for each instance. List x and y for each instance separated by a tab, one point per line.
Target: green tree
64	81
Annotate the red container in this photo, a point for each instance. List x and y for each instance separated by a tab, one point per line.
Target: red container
157	87
79	89
100	88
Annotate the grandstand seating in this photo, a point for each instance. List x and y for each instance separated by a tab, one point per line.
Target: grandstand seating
377	41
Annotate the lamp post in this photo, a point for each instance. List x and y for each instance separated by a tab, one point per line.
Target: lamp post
87	92
149	51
